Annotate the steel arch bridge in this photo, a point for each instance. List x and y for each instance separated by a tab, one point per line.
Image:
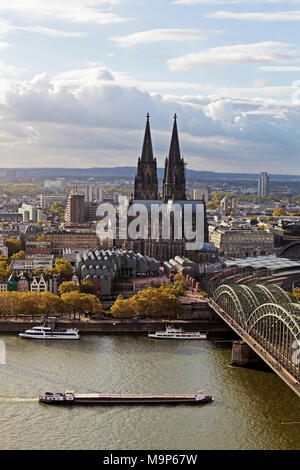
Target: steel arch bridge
268	318
292	250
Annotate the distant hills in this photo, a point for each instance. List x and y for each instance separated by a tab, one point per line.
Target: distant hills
130	171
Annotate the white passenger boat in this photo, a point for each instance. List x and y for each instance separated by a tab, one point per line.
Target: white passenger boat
46	332
177	333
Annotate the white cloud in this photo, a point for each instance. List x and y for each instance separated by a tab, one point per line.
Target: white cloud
6	27
220	110
157	35
228	2
78	11
71	120
9	70
257	16
55	33
3	45
94	73
260	82
279	68
237	54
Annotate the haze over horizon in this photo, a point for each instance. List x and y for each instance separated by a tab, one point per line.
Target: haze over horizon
78	77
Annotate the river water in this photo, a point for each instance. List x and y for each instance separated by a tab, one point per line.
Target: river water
252	409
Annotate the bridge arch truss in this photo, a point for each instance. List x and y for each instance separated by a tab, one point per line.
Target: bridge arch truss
267	314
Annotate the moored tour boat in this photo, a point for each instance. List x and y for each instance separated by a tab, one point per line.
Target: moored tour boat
70	398
177	333
47	332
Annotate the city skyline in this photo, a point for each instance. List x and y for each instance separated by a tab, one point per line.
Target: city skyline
78	79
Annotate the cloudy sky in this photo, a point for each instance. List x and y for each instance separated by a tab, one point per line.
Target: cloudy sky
77	78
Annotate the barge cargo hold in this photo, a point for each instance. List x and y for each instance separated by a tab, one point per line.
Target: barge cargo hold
70	398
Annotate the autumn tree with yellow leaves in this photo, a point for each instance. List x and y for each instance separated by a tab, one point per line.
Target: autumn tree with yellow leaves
77	304
68	286
19	255
14	246
62	267
153	302
44	304
5	270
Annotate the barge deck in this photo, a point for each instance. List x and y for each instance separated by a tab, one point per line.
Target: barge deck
70	398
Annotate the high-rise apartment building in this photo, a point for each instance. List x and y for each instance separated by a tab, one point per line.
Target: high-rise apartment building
93	193
200	193
263	185
75	210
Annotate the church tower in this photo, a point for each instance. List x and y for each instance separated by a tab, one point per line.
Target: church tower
174	186
146	183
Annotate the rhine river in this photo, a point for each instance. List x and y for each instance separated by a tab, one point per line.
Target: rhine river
252	409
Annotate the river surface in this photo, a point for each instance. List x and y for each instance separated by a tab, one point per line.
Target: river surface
252	409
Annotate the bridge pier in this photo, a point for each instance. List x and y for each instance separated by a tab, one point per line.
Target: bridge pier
243	355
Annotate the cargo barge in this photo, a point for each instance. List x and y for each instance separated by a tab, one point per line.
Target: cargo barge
71	398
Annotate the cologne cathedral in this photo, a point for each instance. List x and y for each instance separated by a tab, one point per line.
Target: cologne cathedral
146	191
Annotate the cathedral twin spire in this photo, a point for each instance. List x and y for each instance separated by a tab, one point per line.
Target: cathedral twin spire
174	186
146	183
